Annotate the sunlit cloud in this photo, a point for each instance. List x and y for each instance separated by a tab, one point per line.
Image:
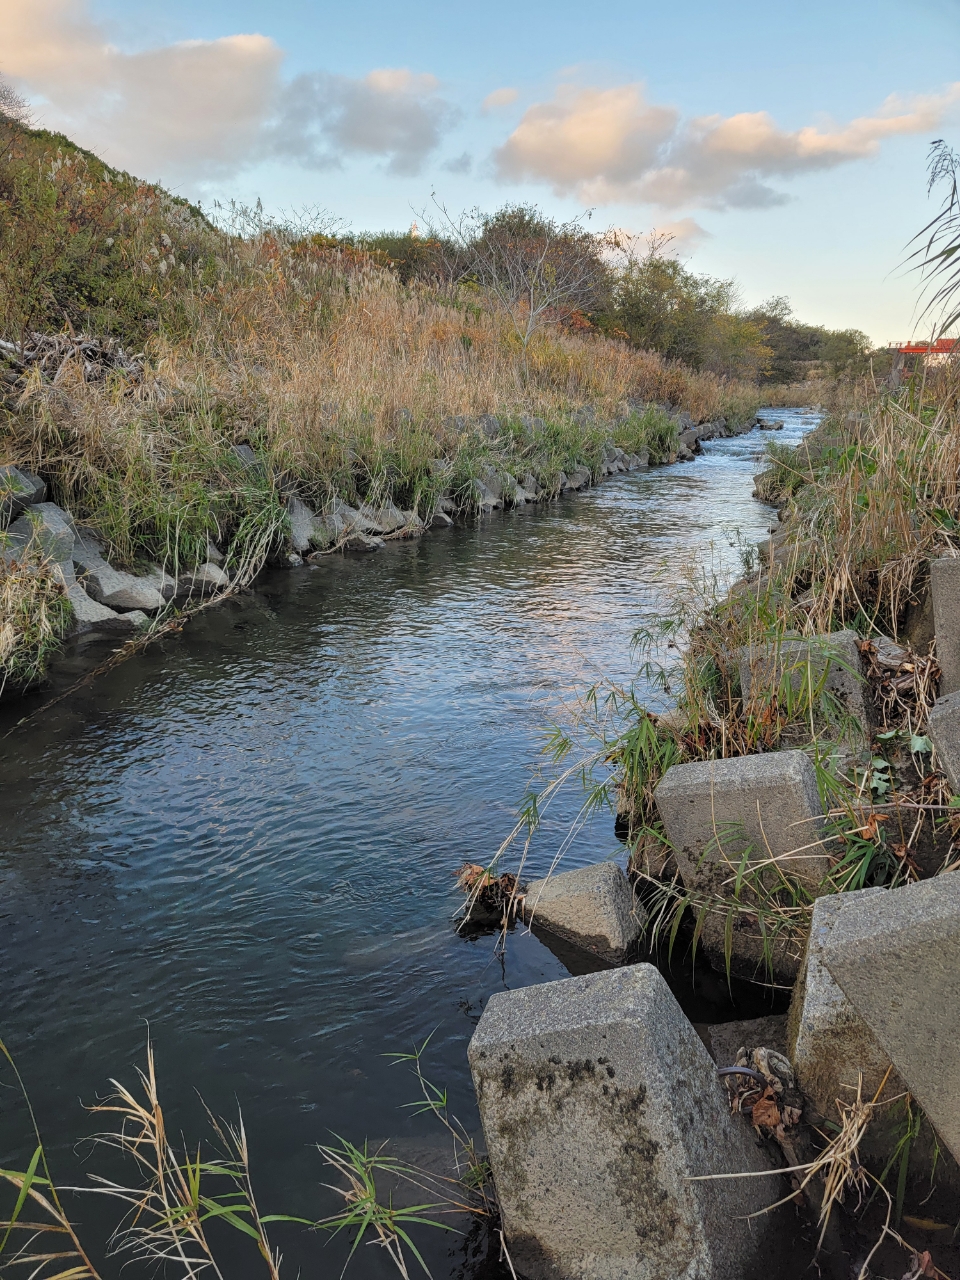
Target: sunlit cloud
609	146
205	109
500	98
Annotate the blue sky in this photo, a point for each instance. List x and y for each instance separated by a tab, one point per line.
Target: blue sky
765	135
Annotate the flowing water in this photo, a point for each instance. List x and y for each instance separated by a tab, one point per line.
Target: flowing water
244	840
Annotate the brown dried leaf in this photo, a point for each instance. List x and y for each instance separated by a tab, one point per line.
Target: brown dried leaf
765	1111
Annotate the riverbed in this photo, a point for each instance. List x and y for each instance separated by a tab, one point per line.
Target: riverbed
244	841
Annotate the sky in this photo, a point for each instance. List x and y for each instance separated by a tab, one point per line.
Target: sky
782	145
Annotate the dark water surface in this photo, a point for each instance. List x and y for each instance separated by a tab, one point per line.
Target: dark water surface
246	837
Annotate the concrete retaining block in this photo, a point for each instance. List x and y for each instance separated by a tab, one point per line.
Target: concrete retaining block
943	727
592	907
18	490
715	811
829	1043
945	592
599	1102
46	527
896	957
833	659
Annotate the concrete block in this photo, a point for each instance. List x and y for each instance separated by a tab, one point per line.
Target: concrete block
592	907
716	812
833	659
47	528
599	1102
112	587
18	490
725	1039
829	1043
943	728
90	616
302	524
203	581
896	956
945	592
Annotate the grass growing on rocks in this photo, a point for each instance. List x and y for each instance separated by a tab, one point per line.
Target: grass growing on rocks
34	613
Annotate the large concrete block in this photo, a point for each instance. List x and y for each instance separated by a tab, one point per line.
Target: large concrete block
945	591
896	957
829	1043
47	528
18	490
943	727
831	662
599	1102
112	587
592	907
718	813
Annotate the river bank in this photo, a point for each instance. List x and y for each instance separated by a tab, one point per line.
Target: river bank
69	589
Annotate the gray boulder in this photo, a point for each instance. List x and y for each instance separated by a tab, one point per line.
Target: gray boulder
724	817
161	581
489	425
896	956
246	457
484	496
599	1106
718	812
440	520
531	487
592	907
386	518
45	527
578	478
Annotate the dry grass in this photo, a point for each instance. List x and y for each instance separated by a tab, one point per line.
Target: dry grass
34	613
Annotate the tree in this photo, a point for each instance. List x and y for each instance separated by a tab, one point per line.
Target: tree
535	268
661	305
13	106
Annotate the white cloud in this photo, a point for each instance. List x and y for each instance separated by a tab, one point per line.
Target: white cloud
204	109
185	110
499	98
393	113
613	146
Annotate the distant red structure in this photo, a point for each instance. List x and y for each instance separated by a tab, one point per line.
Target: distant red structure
908	357
942	347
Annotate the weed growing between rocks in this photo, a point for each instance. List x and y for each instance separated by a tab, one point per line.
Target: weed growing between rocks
34	614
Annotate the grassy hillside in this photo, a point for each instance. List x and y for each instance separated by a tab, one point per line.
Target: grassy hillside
348	376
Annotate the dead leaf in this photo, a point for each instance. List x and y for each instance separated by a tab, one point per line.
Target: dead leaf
765	1111
921	1265
926	1224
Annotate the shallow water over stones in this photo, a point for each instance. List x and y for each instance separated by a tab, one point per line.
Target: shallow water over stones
246	837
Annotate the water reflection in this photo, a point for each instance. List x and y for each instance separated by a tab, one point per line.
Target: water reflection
245	838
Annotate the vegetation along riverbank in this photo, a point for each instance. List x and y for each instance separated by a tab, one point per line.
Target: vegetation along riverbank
202	398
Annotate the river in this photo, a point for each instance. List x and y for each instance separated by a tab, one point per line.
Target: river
245	839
